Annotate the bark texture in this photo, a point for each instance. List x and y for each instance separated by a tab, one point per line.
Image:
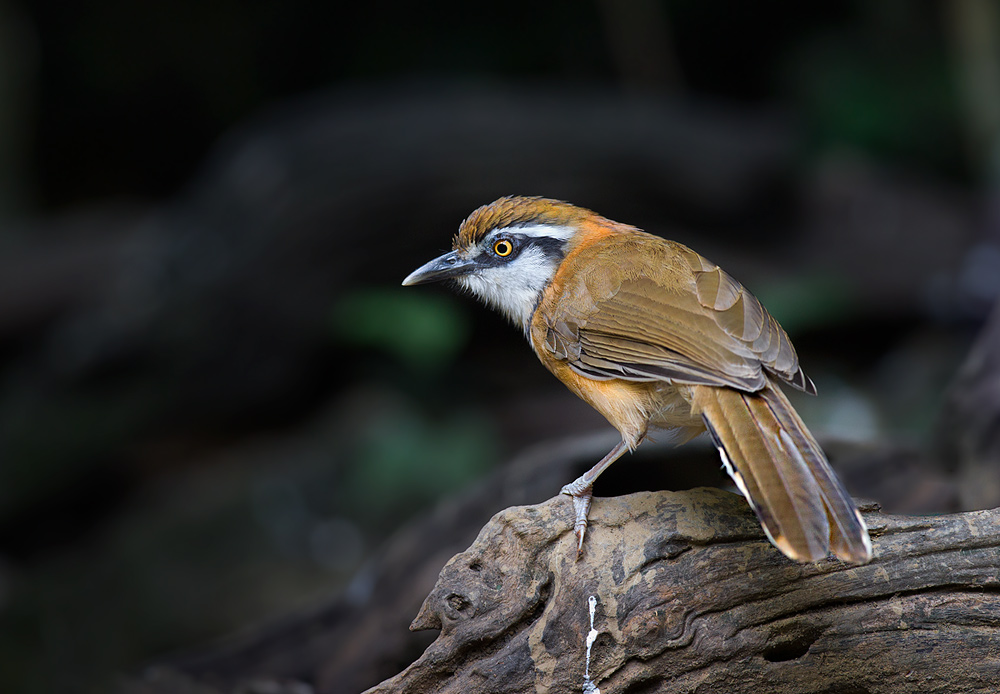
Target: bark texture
690	597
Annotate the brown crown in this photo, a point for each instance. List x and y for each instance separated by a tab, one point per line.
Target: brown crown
513	211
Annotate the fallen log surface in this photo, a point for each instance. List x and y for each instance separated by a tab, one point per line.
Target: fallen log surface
690	597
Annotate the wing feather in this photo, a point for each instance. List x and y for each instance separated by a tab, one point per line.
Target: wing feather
670	315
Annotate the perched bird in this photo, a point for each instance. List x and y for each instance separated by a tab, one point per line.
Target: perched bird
653	335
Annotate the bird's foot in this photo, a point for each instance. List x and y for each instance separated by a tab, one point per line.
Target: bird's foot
582	494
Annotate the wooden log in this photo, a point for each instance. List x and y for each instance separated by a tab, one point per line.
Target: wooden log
359	637
691	597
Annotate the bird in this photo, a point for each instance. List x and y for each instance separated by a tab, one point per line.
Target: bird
656	337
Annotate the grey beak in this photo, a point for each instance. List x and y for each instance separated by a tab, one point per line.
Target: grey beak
441	268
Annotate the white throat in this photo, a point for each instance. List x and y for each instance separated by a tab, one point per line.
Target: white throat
515	288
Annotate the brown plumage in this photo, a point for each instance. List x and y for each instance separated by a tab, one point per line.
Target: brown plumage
651	334
514	211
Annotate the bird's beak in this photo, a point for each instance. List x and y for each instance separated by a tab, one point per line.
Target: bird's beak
445	267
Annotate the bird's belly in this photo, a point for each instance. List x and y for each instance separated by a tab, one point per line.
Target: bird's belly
633	407
671	407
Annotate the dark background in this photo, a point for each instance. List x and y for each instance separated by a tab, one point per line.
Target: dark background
215	400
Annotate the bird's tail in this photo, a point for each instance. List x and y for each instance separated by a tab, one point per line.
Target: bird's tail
783	474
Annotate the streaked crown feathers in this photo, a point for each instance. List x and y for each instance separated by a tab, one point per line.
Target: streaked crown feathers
515	211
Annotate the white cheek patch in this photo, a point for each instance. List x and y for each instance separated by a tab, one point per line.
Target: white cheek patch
513	288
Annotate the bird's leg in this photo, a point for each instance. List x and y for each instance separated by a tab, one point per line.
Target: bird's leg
581	489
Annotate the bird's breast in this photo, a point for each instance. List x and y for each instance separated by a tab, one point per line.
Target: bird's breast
631	407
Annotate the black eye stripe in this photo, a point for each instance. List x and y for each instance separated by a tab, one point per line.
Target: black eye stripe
553	248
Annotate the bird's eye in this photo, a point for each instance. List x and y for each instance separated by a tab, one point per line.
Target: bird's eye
503	248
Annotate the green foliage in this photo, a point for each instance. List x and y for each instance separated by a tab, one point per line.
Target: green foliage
422	329
404	460
890	93
804	302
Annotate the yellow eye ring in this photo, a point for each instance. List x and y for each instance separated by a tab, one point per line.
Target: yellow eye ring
503	248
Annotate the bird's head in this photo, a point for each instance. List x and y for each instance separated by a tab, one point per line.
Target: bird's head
507	252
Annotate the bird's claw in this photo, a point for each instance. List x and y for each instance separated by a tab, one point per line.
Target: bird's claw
582	496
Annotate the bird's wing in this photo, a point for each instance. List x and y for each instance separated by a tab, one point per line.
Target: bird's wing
671	316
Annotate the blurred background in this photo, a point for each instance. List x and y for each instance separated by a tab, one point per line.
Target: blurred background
216	401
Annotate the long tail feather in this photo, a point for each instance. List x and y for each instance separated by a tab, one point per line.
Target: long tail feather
783	474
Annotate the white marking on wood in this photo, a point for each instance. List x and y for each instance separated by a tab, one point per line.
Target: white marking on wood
588	686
